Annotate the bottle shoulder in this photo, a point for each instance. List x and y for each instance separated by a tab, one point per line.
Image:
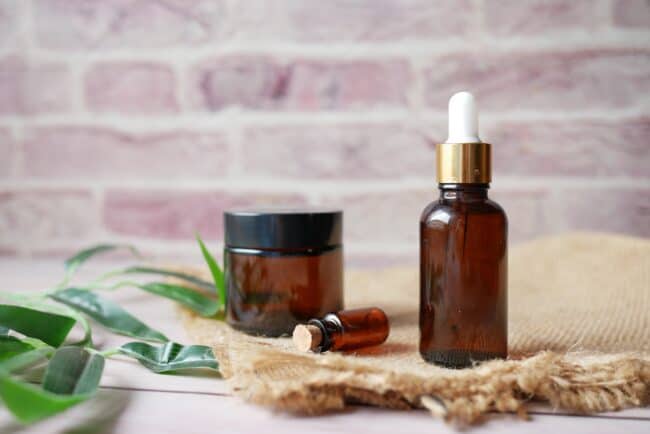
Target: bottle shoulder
447	211
494	206
432	206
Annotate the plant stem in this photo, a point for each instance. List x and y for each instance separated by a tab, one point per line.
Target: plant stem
120	285
106	276
110	352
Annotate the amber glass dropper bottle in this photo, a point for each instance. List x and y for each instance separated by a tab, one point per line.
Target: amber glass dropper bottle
463	252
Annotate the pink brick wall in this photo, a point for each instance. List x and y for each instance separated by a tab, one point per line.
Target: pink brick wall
141	120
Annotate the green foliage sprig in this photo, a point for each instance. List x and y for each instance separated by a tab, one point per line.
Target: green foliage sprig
34	330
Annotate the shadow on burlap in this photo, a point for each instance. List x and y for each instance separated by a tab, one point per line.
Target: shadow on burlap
579	338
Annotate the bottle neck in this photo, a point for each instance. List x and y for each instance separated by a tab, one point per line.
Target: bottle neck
331	330
464	192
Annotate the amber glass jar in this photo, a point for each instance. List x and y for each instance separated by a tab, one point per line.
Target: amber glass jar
282	267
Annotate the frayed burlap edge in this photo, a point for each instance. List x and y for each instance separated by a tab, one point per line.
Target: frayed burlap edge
604	383
315	384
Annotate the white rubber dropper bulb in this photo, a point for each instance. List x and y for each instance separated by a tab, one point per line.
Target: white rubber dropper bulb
463	119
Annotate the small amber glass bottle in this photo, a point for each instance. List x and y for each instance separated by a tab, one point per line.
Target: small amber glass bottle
463	257
343	331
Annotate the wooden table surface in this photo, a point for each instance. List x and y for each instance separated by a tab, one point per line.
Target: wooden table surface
134	400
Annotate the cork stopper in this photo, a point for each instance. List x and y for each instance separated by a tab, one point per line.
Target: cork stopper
307	337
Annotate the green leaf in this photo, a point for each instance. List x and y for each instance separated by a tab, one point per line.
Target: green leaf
74	262
49	327
4	331
16	354
107	313
25	359
171	356
30	403
11	346
73	371
72	376
207	286
42	303
188	297
217	274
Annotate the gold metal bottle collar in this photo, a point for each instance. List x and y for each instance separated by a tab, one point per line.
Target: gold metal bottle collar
464	163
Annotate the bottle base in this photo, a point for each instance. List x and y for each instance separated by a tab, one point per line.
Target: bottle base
458	359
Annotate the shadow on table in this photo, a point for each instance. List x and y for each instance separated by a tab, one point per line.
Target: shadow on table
98	415
196	372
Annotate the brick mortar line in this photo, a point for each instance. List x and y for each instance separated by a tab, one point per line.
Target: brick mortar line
186	249
479	19
609	38
99	228
236	118
24	26
605	10
417	87
181	90
189	248
350	186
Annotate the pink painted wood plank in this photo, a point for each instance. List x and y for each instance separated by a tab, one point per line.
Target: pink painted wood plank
138	412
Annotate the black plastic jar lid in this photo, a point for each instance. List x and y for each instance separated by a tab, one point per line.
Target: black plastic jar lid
268	228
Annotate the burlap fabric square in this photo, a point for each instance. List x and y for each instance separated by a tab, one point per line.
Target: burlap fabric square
579	338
